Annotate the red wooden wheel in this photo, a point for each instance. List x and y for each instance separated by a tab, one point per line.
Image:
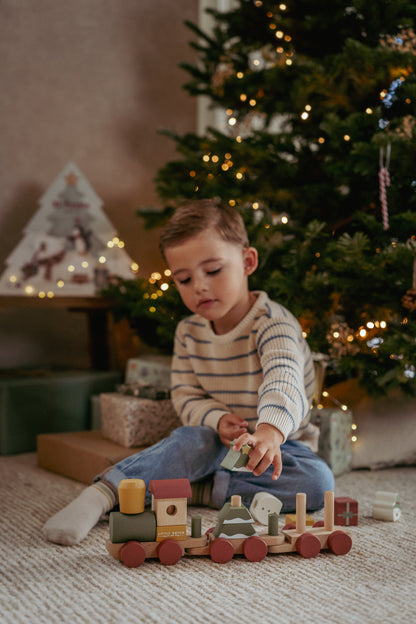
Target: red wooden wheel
254	548
169	552
221	550
132	554
290	526
308	545
339	543
319	523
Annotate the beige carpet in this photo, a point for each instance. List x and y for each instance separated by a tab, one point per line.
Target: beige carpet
44	583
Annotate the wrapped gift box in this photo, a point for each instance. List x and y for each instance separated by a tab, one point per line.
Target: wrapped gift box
345	511
46	403
335	437
151	371
81	455
134	421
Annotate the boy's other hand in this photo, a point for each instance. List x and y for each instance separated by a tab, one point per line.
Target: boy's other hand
265	449
230	427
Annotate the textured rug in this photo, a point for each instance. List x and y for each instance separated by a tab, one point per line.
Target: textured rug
45	583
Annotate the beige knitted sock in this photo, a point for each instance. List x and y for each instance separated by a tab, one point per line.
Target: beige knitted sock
70	525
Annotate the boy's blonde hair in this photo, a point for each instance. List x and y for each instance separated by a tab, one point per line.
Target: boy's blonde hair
196	217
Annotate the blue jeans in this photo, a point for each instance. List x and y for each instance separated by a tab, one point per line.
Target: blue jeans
196	453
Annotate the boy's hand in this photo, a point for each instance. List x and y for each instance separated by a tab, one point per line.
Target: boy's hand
230	427
265	449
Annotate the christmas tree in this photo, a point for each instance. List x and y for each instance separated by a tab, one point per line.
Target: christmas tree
318	152
69	247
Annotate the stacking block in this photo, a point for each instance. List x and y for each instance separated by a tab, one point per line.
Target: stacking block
386	506
81	455
345	511
47	403
132	421
335	437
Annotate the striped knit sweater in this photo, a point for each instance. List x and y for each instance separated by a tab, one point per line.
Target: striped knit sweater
261	370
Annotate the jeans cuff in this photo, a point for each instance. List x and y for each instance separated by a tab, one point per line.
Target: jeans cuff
220	488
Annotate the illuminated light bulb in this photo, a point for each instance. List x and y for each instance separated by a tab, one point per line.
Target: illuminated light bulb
229	111
308	107
272	26
344	408
152	309
363	333
84	264
205	157
60	283
134	266
353	426
335	334
164	286
259	3
305	115
146	296
192	174
159	293
325	394
243	97
284	219
110	244
288	38
240	75
256	205
231	202
282	7
102	259
41	294
120	244
224	167
50	294
317	255
71	268
156	275
369	111
153	296
320	406
279	50
232	121
354	438
304	334
289	62
408	101
12	279
227	156
239	139
256	62
215	158
321	140
267	226
167	272
151	280
210	176
239	176
29	290
252	102
347	137
350	338
383	324
370	325
269	14
279	34
116	240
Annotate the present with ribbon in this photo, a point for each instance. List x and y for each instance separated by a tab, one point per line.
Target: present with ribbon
345	511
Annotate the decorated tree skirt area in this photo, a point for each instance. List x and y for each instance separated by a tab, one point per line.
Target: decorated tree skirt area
385	426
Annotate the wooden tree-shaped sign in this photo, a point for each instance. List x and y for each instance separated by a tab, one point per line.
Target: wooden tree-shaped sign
69	247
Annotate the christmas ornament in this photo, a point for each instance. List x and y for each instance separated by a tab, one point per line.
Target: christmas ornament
384	180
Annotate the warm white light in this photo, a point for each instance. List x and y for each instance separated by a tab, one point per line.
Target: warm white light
304	115
84	264
71	268
232	121
29	290
167	272
102	259
164	286
60	283
383	324
13	279
156	276
284	219
363	333
134	266
354	438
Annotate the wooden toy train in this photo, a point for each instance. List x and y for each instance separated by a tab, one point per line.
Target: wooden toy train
137	534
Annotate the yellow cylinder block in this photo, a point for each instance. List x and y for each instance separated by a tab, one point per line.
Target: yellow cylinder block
131	495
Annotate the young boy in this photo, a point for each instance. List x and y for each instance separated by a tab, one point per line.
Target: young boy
241	370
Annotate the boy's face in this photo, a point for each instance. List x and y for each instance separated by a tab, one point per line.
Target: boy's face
211	276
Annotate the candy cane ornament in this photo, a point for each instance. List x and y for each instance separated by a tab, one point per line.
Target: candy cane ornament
384	180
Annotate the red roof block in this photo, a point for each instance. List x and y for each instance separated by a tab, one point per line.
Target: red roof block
170	488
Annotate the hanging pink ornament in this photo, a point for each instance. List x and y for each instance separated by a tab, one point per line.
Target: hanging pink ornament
384	180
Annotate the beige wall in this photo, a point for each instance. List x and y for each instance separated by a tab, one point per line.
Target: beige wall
90	81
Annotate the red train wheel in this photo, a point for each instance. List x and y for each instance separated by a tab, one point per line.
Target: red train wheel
132	554
169	552
254	548
221	550
339	543
308	545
